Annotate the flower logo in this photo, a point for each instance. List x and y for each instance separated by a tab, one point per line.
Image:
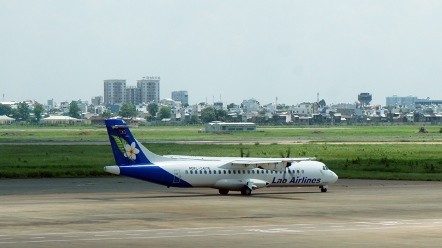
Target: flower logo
131	151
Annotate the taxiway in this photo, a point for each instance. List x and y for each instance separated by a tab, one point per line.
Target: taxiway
120	212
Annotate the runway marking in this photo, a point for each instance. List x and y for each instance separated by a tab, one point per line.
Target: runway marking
299	229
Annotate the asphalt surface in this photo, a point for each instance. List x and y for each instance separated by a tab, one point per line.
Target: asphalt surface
122	212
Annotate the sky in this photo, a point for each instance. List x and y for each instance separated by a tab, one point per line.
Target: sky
227	50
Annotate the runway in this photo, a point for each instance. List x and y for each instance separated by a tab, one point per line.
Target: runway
120	212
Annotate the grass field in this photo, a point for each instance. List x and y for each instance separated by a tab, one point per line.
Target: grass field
390	152
20	134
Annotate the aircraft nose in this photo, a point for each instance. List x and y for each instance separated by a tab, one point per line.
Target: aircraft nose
334	177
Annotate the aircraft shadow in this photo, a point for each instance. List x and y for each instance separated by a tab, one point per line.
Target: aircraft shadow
177	194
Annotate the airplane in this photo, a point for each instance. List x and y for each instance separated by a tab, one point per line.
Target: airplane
243	174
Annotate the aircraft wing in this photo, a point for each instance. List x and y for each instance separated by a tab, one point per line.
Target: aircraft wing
265	164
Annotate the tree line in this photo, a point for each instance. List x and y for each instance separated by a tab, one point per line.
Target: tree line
23	112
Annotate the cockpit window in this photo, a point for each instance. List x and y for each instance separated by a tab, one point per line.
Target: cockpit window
324	167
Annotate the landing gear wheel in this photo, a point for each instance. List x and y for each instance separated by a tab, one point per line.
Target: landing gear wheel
246	191
323	189
223	191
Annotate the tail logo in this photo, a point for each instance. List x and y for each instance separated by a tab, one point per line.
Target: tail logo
129	151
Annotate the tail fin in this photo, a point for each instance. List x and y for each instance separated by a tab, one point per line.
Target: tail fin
127	150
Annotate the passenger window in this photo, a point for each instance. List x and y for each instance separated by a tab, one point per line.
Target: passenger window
248	171
225	172
253	172
201	172
243	172
230	172
187	172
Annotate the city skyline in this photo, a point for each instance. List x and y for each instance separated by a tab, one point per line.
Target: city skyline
228	50
184	95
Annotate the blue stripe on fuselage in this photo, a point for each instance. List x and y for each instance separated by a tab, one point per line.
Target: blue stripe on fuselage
153	173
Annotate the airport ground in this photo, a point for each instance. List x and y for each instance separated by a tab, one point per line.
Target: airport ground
122	212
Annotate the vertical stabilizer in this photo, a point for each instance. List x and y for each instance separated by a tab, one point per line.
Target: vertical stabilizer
127	150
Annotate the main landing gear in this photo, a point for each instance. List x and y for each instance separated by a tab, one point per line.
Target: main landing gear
246	191
223	191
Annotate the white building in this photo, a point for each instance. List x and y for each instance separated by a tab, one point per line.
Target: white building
150	89
114	91
6	120
170	103
64	120
251	106
303	109
400	100
219	127
181	96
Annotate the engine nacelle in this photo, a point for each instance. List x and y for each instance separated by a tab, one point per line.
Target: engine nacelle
256	184
238	184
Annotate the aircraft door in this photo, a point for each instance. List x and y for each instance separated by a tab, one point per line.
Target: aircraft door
176	176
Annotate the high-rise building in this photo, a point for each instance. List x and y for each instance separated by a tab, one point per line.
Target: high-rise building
51	104
181	96
149	89
114	91
133	95
97	100
401	100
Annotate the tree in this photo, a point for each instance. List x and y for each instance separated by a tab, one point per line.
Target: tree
38	110
153	109
5	109
164	113
193	119
231	106
128	111
220	114
22	112
106	114
74	110
208	115
211	114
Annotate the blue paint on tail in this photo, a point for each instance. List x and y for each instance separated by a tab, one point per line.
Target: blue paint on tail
133	160
124	146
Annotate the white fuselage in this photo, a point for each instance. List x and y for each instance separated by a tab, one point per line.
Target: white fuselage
206	173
